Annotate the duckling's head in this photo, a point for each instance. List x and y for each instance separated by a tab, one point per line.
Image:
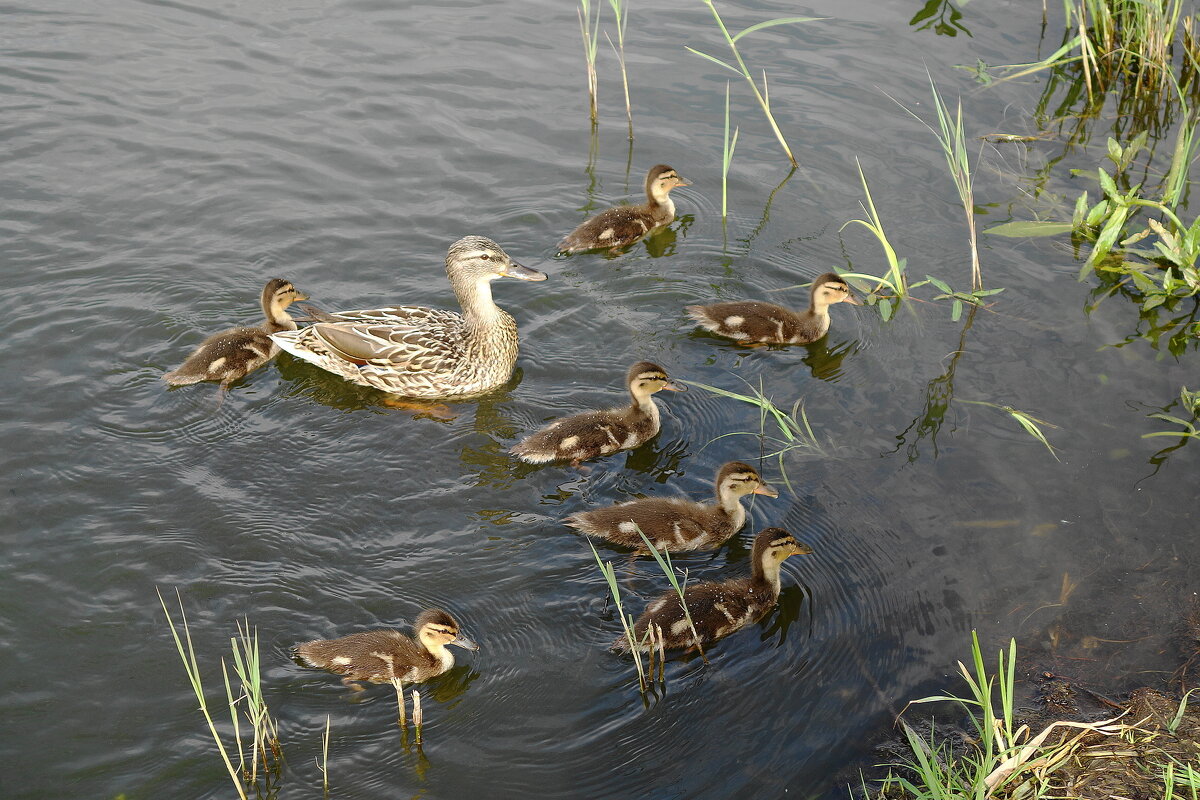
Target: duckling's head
737	479
773	545
832	288
280	293
476	259
646	378
436	629
660	180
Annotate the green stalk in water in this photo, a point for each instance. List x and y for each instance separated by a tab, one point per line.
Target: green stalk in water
763	96
621	12
589	31
727	157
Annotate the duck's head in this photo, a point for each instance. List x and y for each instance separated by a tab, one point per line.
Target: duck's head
773	545
832	288
660	180
737	479
476	259
645	378
280	293
436	629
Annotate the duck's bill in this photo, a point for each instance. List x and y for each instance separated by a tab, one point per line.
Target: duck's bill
515	270
672	386
852	300
301	296
762	488
802	549
464	642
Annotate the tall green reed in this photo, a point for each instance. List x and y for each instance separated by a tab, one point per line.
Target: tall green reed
264	733
589	31
620	10
763	96
727	157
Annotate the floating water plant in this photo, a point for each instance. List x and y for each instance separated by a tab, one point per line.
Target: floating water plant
1027	421
895	279
763	96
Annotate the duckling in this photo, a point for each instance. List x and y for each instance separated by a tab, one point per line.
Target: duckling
719	609
625	225
598	433
231	355
676	524
419	352
751	322
386	655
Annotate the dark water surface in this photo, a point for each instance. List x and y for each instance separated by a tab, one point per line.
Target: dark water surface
159	160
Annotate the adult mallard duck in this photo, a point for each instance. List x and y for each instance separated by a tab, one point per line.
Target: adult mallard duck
599	433
719	609
750	322
420	352
386	655
676	524
231	355
625	225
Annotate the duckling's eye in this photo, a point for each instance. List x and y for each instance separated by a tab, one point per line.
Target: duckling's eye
485	257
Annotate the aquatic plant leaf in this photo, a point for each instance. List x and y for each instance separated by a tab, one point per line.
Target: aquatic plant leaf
773	22
713	59
1024	228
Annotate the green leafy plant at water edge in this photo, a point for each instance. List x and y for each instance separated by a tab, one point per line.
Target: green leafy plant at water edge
763	96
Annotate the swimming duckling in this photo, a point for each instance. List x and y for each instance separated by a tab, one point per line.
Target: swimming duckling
676	524
420	352
598	433
231	355
625	225
385	655
719	609
751	322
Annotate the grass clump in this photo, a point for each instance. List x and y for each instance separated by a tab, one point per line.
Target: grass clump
1146	751
261	743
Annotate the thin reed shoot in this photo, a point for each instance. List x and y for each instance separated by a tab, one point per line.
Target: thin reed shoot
763	96
794	429
895	278
620	10
664	563
606	569
727	157
950	133
323	765
589	31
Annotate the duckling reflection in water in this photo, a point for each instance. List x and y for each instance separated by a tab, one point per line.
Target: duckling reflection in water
677	524
622	226
599	433
388	656
750	322
233	354
719	609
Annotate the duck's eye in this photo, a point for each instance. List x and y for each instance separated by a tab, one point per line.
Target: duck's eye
486	257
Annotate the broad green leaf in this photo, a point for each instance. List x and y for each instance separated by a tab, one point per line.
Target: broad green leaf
773	22
939	284
1114	151
885	309
713	59
1098	212
1108	185
1081	209
1109	234
987	292
1031	227
957	310
1154	301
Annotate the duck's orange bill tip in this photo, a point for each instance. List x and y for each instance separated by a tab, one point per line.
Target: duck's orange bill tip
301	296
675	387
522	273
762	488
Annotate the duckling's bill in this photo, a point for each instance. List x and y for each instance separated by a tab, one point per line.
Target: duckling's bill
463	642
764	489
